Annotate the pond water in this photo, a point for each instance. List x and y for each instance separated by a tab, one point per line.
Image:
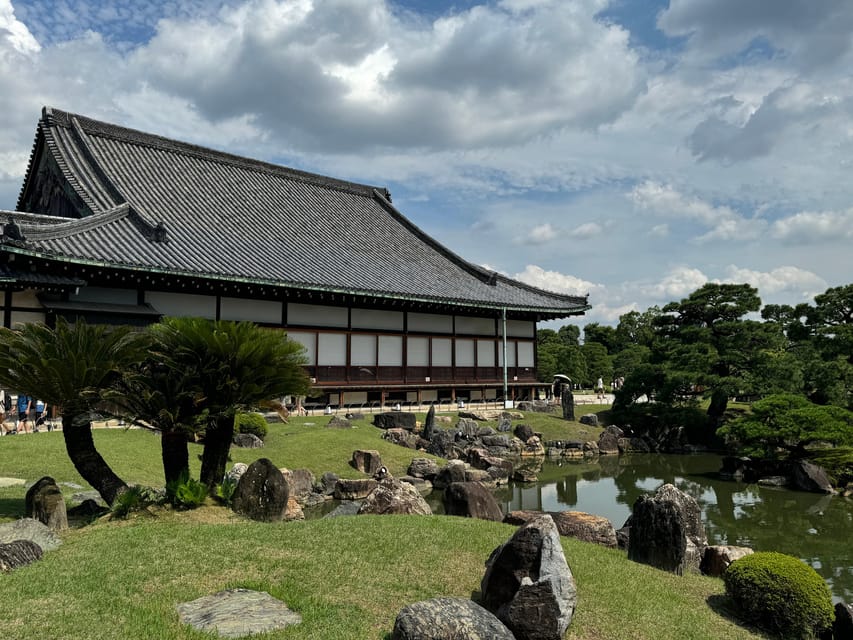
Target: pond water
816	528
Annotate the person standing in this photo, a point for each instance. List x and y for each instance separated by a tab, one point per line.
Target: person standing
24	405
599	388
40	415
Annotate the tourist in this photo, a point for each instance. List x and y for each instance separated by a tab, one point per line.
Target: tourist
24	406
4	411
40	415
599	388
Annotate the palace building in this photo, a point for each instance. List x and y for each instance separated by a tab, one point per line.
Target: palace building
119	226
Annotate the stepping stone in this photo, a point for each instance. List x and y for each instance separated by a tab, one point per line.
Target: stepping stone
12	482
235	613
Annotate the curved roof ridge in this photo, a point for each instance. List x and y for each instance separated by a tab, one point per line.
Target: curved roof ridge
55	227
135	136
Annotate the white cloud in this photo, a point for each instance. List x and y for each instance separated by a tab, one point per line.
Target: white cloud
659	230
555	281
586	230
15	32
809	227
677	284
540	234
800	282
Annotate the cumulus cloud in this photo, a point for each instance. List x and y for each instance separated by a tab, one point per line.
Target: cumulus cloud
540	234
800	282
724	222
555	281
15	32
809	227
677	284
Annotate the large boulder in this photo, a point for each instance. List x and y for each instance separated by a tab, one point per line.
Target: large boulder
337	422
429	424
471	500
444	618
44	502
589	419
366	460
523	432
667	531
236	471
573	524
401	437
247	441
426	468
261	492
353	489
528	584
32	530
300	483
842	628
810	477
18	553
608	444
395	419
443	444
453	471
392	497
717	558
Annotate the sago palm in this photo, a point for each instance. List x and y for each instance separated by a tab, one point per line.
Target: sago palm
69	367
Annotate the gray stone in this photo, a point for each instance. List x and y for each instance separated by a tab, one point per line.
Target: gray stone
480	475
261	492
300	484
234	613
505	425
482	415
366	460
717	558
32	530
773	481
327	483
44	502
497	441
429	424
842	628
525	474
446	618
567	404
589	419
810	477
608	444
667	531
423	486
337	422
442	444
523	432
423	468
533	447
536	406
354	415
236	471
18	553
454	471
632	445
468	427
528	584
395	419
247	441
392	497
354	489
81	496
572	524
401	437
87	511
345	508
471	500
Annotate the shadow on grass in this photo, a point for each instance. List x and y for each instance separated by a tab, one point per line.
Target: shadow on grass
723	606
12	508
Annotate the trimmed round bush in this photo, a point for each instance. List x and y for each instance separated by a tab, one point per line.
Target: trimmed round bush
781	594
253	423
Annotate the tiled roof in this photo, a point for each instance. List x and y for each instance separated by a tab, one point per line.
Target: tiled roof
229	217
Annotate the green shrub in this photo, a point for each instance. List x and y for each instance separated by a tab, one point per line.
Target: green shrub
781	594
253	423
134	498
225	490
186	493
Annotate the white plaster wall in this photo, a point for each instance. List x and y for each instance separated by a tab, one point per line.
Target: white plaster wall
363	351
307	340
431	323
390	351
264	311
332	349
442	352
525	354
485	353
464	352
316	315
418	351
182	304
475	326
377	319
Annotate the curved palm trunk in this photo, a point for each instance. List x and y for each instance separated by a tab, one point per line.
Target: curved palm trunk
217	444
176	456
81	449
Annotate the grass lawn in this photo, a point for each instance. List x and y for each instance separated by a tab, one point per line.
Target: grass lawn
348	577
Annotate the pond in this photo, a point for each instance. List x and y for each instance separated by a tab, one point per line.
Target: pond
816	528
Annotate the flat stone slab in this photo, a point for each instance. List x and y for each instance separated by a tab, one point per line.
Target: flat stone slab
235	613
32	530
12	482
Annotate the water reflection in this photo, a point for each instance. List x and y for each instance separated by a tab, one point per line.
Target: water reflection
810	526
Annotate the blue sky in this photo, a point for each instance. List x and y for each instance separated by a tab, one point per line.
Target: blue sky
630	150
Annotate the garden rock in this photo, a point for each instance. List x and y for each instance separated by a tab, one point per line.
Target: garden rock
236	471
423	468
480	475
523	432
667	531
443	618
589	419
235	613
590	448
350	415
572	524
453	471
395	419
366	460
429	424
261	492
567	404
87	510
524	474
528	584
536	406
247	441
483	415
354	489
442	445
44	502
345	508
293	510
401	437
468	428
810	477
337	422
471	500
842	628
423	486
632	445
300	484
608	444
504	425
327	483
717	558
32	530
533	447
18	553
392	497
